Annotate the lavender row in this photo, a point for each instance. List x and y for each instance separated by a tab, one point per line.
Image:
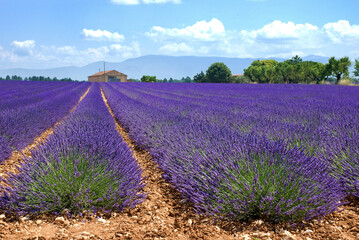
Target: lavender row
20	125
84	166
227	173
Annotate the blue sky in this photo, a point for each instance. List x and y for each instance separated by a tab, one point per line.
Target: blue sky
55	33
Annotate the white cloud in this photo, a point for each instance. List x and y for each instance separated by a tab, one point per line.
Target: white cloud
23	48
202	30
126	2
172	48
24	44
136	2
126	51
73	56
342	31
66	50
278	29
8	56
161	1
102	35
96	53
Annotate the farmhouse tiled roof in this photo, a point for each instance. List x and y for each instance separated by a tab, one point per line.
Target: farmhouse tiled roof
106	72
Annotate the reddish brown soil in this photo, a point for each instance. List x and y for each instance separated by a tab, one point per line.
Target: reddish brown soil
165	215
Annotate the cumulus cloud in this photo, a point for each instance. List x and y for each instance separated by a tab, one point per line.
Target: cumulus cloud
23	48
3	54
136	2
161	1
284	35
202	30
126	2
71	55
66	50
114	52
102	35
174	48
342	31
126	51
24	44
282	30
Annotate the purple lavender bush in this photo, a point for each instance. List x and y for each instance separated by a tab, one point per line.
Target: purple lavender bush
84	165
251	177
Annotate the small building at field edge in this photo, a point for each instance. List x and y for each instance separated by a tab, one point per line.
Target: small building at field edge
108	76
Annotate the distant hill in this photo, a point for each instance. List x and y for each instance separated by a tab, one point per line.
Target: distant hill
157	65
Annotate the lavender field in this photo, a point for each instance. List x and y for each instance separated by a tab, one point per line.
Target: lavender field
278	152
282	153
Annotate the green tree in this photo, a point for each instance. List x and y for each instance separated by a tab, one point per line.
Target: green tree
7	77
339	67
356	68
282	74
218	73
187	79
200	77
241	79
262	71
146	78
311	72
327	71
253	72
296	59
294	70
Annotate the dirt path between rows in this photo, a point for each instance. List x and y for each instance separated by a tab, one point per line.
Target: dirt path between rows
165	215
9	165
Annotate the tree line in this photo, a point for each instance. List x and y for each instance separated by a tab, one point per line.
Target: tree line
293	70
35	78
296	70
146	78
